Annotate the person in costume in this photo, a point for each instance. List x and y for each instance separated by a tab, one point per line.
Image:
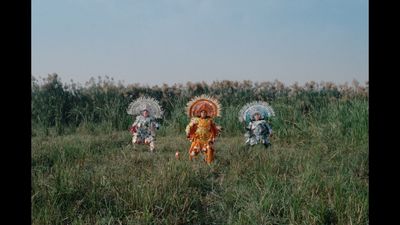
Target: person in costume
254	116
143	129
201	130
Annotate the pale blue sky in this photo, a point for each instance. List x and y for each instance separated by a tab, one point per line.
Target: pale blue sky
175	41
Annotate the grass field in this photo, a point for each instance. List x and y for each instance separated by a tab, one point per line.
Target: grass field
100	179
86	171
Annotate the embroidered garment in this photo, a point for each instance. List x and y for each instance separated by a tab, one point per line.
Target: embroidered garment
258	133
202	131
143	130
254	115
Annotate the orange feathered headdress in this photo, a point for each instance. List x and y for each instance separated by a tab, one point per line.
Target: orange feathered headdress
203	103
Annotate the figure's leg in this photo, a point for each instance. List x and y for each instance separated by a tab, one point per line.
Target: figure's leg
253	141
192	151
151	142
266	142
247	142
135	140
209	154
247	138
152	146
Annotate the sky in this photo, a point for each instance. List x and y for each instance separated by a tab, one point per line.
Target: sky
153	42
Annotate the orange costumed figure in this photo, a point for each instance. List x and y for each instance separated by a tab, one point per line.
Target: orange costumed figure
202	130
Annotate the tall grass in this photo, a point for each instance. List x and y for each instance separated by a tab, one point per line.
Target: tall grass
59	105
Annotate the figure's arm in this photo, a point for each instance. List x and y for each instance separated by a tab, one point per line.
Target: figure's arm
191	128
215	131
269	129
248	127
133	127
136	121
155	124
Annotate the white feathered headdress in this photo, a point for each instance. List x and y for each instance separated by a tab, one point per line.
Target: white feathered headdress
145	103
263	108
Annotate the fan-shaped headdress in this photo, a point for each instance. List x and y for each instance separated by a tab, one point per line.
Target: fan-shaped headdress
145	103
203	102
250	109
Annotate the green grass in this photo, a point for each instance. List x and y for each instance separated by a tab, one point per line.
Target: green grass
98	178
85	170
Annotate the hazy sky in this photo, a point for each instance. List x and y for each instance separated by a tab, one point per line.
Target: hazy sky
175	41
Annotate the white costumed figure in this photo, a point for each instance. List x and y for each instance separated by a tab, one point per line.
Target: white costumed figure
143	129
255	115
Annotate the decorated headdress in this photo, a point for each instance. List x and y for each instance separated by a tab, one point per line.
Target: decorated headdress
145	103
203	102
250	109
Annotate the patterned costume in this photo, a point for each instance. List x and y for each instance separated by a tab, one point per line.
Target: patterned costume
202	130
254	115
145	125
258	132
